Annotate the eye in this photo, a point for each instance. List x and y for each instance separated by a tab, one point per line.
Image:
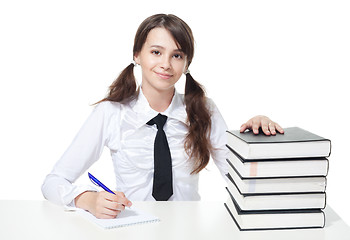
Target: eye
177	56
156	52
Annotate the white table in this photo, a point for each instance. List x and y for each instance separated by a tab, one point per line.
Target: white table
179	220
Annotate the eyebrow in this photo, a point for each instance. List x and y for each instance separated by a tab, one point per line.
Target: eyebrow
161	47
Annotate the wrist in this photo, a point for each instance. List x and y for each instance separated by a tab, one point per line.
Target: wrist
85	200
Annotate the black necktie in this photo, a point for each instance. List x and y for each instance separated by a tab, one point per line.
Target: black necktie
162	177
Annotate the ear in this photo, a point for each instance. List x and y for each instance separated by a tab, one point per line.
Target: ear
137	58
185	70
187	65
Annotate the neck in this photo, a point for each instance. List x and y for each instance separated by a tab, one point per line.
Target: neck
158	100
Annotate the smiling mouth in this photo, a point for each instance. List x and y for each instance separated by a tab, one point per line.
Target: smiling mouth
164	76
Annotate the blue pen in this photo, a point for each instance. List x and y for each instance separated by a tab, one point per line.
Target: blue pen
98	183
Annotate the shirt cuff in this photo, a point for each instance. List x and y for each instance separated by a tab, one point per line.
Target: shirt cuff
68	194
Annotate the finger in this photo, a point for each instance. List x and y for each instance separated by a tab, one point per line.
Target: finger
256	124
113	197
272	128
114	205
265	129
103	211
123	200
279	128
255	127
243	127
109	196
107	214
111	212
118	197
265	126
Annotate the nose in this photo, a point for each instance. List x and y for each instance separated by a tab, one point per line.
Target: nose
165	62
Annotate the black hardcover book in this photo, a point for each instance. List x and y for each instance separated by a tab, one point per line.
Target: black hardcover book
276	201
294	143
254	185
289	167
274	219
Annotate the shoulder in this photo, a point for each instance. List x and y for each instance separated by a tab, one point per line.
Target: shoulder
107	108
211	105
216	116
208	101
108	105
181	98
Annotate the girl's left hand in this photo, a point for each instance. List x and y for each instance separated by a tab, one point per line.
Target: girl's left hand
268	126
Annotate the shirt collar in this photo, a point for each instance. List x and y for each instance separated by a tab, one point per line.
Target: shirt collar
176	109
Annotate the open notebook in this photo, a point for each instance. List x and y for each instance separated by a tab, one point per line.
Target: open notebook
129	216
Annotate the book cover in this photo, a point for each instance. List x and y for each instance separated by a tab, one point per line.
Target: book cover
294	143
295	185
278	167
274	219
276	201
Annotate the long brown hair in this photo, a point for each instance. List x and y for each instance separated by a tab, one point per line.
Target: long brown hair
124	88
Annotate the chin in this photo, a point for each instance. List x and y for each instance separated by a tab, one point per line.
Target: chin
165	88
164	84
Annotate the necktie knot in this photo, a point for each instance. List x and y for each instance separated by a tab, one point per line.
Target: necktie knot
159	120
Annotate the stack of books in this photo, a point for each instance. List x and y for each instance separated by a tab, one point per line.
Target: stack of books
277	182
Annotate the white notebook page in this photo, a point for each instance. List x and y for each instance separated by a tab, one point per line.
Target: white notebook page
129	216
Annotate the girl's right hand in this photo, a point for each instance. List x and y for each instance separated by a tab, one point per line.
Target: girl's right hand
102	204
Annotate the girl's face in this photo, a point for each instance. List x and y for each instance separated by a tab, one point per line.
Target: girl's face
161	60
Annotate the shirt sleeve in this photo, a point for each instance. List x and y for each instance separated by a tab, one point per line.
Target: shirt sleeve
218	139
85	149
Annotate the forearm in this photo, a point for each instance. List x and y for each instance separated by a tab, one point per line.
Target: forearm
60	191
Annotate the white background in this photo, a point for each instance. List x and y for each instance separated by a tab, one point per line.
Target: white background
288	60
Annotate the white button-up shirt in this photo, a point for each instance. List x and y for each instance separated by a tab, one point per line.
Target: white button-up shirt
123	129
